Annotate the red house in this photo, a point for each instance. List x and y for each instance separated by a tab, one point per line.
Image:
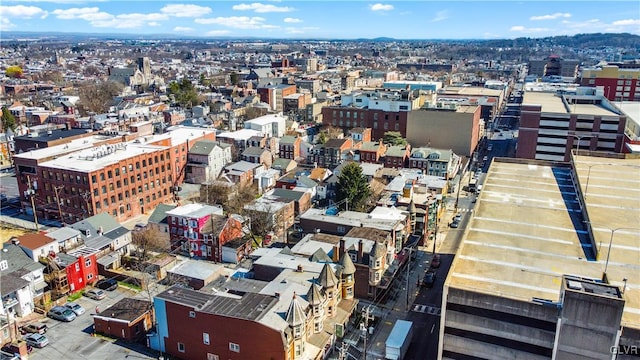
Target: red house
70	273
201	230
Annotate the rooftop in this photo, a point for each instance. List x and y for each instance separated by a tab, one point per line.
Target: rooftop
550	102
195	210
267	119
126	309
527	230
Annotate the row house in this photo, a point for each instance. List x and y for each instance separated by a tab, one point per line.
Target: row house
435	162
243	172
372	151
23	284
397	156
331	153
187	222
107	237
257	155
289	147
265	142
276	212
206	160
72	272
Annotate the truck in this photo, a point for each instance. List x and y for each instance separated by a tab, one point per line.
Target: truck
399	340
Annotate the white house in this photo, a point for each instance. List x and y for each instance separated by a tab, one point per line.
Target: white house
206	159
273	125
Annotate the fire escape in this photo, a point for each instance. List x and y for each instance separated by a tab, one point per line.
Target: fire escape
55	276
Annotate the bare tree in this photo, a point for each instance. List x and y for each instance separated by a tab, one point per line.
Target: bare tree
97	98
149	240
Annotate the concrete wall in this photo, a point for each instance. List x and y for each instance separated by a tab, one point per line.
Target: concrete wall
444	129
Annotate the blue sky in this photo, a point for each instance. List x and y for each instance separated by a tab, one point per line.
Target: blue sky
325	19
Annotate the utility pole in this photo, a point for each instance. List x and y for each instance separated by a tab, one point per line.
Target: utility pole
365	313
56	189
31	193
435	233
408	275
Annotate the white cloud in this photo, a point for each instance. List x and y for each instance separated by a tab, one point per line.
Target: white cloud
217	32
185	10
21	11
262	8
292	20
550	16
381	7
6	24
97	18
238	22
519	28
441	15
626	22
182	29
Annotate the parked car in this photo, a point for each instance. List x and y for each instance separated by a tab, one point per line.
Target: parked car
36	340
61	313
429	279
76	308
107	284
454	224
95	294
35	328
435	261
12	348
458	217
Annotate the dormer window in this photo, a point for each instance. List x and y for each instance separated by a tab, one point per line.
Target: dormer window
86	232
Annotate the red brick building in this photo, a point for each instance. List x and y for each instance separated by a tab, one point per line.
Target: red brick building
104	174
372	151
397	156
289	147
201	230
379	121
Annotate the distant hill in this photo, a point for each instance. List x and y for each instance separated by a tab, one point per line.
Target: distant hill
592	41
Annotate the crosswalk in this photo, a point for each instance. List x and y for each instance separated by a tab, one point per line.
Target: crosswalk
431	310
464	210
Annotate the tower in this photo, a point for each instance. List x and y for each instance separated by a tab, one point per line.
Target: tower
297	319
347	278
331	287
317	300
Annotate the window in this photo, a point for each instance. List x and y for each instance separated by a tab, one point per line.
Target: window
77	267
101	176
212	357
87	263
192	314
90	276
234	347
205	338
180	347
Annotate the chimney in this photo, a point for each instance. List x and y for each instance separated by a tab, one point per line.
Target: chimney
342	242
15	241
360	251
100	230
336	253
299	269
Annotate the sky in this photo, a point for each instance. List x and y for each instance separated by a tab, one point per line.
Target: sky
327	19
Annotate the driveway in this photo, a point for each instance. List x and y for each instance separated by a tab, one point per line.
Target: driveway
74	340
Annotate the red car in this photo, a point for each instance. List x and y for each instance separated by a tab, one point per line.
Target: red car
435	261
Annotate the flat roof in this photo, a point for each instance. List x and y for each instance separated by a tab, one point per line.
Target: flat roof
526	230
551	102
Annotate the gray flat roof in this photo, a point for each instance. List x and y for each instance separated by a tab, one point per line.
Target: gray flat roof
525	232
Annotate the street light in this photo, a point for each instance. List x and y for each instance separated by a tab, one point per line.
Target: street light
606	264
586	187
580	137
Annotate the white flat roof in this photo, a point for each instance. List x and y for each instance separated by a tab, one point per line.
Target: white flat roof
266	119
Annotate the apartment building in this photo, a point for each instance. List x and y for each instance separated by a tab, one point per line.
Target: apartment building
554	65
289	147
104	174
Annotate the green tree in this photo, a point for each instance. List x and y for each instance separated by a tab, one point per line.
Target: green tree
322	137
8	120
394	138
353	187
184	92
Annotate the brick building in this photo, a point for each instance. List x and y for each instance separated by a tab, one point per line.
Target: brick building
105	174
128	319
380	121
619	83
289	147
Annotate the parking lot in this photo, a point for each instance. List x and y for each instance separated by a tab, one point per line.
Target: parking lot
74	340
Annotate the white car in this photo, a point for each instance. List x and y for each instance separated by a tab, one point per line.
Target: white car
76	308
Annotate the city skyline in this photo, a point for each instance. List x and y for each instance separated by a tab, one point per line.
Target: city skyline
325	20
